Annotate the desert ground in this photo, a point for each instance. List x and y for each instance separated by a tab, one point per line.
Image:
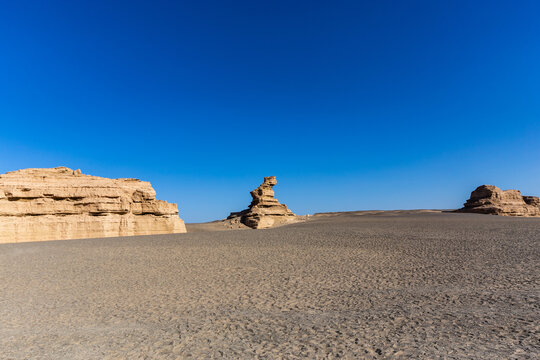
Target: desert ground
365	285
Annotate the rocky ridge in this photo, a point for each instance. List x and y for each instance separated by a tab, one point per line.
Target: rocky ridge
489	199
265	210
61	203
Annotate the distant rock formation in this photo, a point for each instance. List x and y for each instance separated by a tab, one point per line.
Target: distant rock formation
264	211
59	203
489	199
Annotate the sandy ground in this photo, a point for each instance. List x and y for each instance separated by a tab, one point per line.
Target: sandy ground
382	285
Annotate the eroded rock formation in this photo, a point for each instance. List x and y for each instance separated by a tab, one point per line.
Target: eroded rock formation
489	199
265	210
59	203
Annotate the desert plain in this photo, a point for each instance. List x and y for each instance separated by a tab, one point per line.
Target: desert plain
359	285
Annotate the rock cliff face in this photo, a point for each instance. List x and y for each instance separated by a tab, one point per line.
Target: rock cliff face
59	203
489	199
264	211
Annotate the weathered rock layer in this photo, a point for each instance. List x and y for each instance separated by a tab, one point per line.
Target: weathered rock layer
489	199
265	210
59	203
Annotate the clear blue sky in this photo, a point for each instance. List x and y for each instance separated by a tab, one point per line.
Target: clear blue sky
351	104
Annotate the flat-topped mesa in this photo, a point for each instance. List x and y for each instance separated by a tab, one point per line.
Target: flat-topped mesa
60	203
265	210
489	199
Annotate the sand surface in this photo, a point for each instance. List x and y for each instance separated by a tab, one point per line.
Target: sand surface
383	286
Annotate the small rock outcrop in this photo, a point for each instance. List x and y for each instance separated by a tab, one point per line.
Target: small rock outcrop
489	199
60	203
264	211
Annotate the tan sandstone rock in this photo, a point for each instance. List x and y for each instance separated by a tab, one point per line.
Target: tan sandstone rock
264	211
489	199
59	203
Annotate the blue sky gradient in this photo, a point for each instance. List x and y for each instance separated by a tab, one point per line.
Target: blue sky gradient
352	105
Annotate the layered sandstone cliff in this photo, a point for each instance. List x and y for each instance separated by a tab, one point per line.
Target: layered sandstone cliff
265	210
489	199
59	203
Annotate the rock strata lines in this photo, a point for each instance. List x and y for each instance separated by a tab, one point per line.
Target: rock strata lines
264	211
489	199
60	203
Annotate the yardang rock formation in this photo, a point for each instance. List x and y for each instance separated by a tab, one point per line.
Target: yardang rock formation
265	210
59	203
489	199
